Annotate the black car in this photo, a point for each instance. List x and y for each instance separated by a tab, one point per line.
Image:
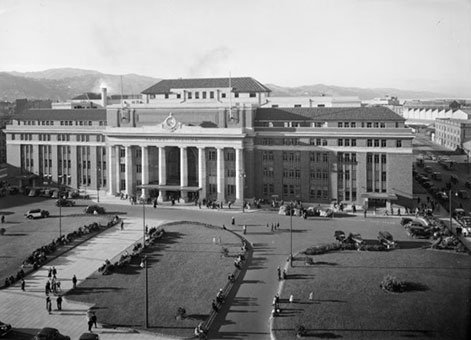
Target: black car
4	329
89	336
94	209
48	333
63	202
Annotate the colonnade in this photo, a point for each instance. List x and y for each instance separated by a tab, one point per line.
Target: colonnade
117	175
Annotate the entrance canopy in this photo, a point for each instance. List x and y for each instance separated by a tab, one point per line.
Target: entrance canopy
169	187
379	196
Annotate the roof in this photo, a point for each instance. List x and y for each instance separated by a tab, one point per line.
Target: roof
375	113
65	114
88	96
242	84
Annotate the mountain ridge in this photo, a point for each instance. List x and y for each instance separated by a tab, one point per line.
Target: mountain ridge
60	84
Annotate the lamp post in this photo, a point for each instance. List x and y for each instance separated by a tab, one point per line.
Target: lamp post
291	233
242	177
143	224
146	300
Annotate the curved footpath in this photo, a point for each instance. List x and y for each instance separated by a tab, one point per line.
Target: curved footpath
28	309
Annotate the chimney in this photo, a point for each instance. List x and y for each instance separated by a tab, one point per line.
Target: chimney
104	97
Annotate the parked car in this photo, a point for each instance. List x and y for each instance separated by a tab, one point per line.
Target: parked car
428	169
94	209
63	202
458	213
89	336
463	194
437	176
441	195
5	328
33	193
37	213
48	333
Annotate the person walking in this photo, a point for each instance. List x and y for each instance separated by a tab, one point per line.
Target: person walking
54	271
233	220
291	298
48	304
49	273
122	225
48	287
279	273
311	296
23	284
245	229
74	281
89	320
3	218
94	319
59	302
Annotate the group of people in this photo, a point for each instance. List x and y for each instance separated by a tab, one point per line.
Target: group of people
282	275
53	285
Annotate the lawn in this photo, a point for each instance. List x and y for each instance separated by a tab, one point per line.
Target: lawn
185	269
349	303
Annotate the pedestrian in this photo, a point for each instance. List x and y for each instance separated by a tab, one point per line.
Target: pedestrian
122	225
49	273
89	320
199	204
279	272
23	284
155	203
48	304
285	276
278	225
94	319
291	298
311	296
48	287
74	281
245	229
233	220
59	302
54	271
364	213
3	218
214	306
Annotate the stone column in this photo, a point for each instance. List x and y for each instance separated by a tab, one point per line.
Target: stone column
220	175
74	171
118	168
184	172
202	172
144	170
162	172
129	169
112	189
240	175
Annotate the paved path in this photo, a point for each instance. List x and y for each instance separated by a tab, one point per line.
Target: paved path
28	309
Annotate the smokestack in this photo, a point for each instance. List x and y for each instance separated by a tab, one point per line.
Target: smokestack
104	97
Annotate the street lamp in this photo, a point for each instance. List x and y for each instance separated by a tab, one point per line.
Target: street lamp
242	177
146	301
143	223
291	233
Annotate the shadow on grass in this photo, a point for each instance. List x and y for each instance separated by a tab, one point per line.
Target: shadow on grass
413	244
325	335
257	263
15	234
6	213
88	290
201	317
299	276
415	287
323	263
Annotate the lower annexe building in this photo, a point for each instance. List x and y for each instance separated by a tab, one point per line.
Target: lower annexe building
352	155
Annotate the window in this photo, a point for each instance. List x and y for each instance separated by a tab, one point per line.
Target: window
190	95
223	95
252	95
376	143
398	143
197	95
353	124
354	142
376	124
340	141
383	143
122	168
212	155
346	124
267	141
211	94
166	96
347	142
369	142
179	95
368	124
236	94
382	125
339	124
204	94
383	158
324	142
318	141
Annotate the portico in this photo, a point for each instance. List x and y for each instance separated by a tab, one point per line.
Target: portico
176	166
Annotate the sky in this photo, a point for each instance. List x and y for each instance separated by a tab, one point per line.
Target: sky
405	44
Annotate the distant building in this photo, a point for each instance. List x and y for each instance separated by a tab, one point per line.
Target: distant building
426	111
21	105
324	101
218	139
92	100
452	133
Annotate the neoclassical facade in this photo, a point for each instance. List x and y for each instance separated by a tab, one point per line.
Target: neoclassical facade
216	138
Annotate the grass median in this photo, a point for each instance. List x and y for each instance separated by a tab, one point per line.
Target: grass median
186	268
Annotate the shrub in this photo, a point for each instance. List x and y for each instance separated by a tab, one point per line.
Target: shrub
308	261
2	231
181	313
392	284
